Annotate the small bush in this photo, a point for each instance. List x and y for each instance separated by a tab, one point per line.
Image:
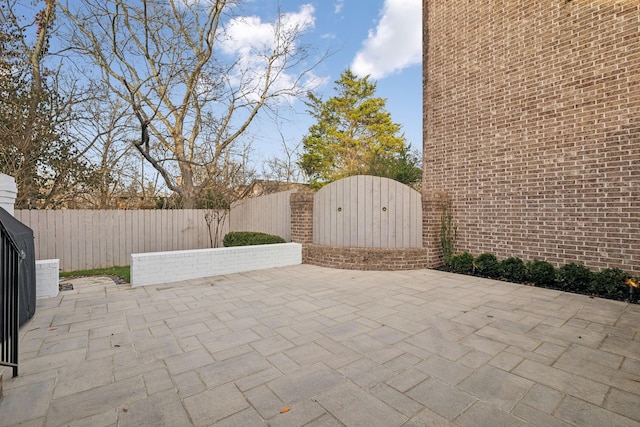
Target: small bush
513	269
633	290
574	278
611	283
462	263
487	265
248	238
541	273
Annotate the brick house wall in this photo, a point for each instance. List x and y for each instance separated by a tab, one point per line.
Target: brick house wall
532	128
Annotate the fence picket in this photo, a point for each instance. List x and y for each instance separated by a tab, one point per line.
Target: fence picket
268	214
84	239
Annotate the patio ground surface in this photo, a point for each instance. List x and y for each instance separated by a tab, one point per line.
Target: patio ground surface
335	347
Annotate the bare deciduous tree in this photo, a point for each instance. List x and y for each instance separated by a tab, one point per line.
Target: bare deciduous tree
102	128
215	219
284	167
192	89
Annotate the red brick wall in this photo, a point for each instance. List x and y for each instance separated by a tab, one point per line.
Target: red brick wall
532	127
387	259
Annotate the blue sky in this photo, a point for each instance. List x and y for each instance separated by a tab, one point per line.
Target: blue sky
381	38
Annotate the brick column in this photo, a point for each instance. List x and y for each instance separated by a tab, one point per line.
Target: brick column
301	217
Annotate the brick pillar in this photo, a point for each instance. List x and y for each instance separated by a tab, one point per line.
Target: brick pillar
431	217
301	217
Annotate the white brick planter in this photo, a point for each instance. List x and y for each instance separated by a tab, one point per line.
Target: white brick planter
162	267
47	278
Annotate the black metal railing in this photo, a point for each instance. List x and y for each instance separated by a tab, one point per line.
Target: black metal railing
10	257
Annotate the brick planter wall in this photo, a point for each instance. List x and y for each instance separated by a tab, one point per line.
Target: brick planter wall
532	128
343	257
384	259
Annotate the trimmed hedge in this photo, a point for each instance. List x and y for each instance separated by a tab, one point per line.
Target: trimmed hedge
541	273
611	283
513	269
487	265
248	238
574	278
461	263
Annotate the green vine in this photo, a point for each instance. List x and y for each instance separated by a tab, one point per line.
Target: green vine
448	232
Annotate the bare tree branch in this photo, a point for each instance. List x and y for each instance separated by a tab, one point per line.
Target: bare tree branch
193	102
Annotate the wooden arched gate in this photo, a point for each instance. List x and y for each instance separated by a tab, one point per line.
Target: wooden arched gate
367	212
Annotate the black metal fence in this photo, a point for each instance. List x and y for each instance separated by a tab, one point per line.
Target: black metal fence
10	257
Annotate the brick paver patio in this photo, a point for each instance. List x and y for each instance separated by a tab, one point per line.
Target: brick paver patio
336	347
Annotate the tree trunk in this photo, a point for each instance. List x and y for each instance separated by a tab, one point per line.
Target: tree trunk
189	201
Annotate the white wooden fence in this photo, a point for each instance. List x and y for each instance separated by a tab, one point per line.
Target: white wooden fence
85	239
367	211
268	214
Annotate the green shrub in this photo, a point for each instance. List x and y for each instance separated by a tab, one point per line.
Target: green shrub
462	263
513	269
247	238
611	283
487	265
541	273
574	278
633	290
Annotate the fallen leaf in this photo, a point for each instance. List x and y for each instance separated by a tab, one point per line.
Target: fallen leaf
53	329
285	409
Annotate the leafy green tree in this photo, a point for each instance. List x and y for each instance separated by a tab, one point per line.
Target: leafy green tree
354	135
403	166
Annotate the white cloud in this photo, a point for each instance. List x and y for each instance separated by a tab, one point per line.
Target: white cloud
395	44
248	39
337	6
248	33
